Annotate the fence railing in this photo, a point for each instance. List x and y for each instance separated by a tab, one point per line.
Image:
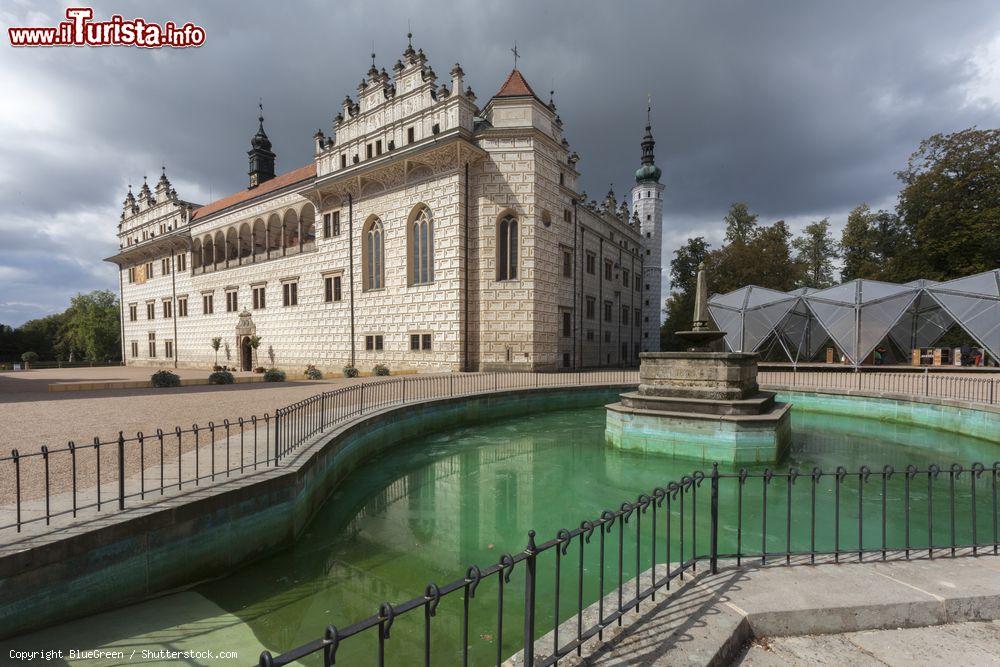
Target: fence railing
920	383
624	556
51	483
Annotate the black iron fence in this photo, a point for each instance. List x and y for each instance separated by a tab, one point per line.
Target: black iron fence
52	483
912	383
626	555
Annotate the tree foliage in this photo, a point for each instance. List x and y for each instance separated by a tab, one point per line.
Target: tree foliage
88	330
815	252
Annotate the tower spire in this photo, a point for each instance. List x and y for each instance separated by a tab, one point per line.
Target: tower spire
260	154
648	171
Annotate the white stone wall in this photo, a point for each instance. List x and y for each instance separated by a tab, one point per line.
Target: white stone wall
647	202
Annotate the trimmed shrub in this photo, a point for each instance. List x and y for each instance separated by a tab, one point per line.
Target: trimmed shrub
351	371
29	358
165	379
380	369
313	373
221	377
274	375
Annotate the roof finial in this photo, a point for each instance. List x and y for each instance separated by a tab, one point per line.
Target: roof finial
373	53
516	54
260	107
649	108
409	34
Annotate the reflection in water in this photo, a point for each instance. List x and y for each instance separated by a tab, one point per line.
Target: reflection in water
424	511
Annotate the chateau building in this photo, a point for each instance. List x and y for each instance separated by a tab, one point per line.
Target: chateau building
427	233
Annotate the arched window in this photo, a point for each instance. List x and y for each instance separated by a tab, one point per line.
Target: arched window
196	254
420	246
220	248
245	241
373	254
273	235
291	232
259	237
232	245
307	219
208	252
507	247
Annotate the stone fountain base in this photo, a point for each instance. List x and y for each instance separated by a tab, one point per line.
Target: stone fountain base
702	406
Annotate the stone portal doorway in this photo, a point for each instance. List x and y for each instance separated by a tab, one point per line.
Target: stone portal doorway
246	354
245	329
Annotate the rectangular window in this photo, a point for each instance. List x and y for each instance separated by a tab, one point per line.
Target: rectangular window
131	274
409	135
637	317
149	270
232	301
327	220
332	289
567	215
133	312
420	342
207	305
608	267
182	306
625	317
373	343
168	348
591	263
637	281
290	293
150	310
168	309
609	308
590	335
625	277
378	147
152	345
567	264
567	324
182	262
343	160
258	297
368	151
336	223
165	266
591	306
607	339
135	349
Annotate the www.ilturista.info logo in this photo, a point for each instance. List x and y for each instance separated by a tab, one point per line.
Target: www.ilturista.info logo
80	30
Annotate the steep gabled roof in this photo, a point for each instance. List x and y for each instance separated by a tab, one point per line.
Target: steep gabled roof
515	86
280	181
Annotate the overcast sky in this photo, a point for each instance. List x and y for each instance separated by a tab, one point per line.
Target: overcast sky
801	109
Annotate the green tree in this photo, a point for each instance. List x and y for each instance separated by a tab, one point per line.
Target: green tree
815	251
950	205
216	344
680	303
741	224
766	260
874	245
91	326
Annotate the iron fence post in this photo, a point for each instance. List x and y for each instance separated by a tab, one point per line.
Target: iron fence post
277	435
714	536
121	470
529	600
927	382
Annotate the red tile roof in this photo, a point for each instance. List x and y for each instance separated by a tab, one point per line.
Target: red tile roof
515	86
276	183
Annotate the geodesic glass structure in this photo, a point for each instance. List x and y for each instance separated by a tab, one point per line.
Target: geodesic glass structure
858	315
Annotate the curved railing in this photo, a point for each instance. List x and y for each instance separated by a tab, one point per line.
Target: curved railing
898	521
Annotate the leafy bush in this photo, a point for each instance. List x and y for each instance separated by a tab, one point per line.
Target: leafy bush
313	373
380	369
350	371
165	379
29	358
221	377
274	375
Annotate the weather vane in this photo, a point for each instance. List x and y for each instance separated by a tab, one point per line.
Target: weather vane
516	54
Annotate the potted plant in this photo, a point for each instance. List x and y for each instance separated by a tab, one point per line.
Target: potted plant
221	377
254	342
313	373
165	379
351	371
380	369
274	375
216	344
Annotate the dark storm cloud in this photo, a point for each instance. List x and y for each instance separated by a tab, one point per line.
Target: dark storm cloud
801	109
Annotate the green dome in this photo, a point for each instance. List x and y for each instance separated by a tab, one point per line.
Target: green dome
647	172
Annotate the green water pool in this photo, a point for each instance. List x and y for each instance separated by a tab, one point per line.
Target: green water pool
426	510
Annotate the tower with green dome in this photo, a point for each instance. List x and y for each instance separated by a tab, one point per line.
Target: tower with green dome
647	207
